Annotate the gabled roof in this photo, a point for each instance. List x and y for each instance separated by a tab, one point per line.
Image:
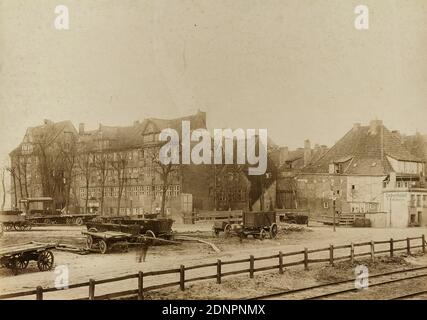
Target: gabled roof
197	121
364	150
128	137
48	132
417	144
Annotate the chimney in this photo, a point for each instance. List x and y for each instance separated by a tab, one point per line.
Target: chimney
307	152
47	121
81	129
284	155
374	126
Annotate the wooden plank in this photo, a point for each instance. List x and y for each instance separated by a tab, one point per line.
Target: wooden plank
27	247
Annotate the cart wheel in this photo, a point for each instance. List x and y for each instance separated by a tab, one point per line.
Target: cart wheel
17	226
46	221
227	230
8	227
263	234
79	221
45	260
22	262
273	231
216	233
103	246
69	221
27	226
150	234
89	241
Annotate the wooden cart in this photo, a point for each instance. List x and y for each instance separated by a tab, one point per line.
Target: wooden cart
17	257
259	224
105	240
154	228
14	219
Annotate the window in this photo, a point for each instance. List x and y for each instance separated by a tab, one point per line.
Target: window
425	201
353	187
325	204
418	200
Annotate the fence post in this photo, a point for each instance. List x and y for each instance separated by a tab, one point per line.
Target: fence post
91	289
423	239
331	254
280	262
218	272
182	278
251	267
305	258
372	251
140	285
391	248
408	246
39	293
352	253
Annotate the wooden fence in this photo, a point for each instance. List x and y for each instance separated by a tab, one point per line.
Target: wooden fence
279	264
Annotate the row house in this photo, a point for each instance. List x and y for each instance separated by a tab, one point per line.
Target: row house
125	175
115	171
366	171
291	162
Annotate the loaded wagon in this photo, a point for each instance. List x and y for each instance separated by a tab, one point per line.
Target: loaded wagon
46	214
122	231
17	257
258	224
155	228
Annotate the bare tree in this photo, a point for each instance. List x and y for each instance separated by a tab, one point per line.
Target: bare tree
84	167
68	160
165	173
3	188
101	164
120	165
13	175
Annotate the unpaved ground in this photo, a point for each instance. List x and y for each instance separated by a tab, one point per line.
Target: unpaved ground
243	287
97	266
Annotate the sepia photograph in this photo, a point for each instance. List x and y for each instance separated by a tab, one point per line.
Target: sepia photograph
213	150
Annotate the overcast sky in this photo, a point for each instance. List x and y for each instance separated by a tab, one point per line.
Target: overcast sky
296	67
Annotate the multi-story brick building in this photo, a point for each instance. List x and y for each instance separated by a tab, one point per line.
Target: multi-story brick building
124	176
42	163
114	170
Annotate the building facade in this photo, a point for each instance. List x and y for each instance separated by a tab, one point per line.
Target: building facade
359	172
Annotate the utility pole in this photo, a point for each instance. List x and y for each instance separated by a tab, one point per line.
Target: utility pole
334	207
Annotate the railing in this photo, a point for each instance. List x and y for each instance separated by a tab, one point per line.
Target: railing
219	265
